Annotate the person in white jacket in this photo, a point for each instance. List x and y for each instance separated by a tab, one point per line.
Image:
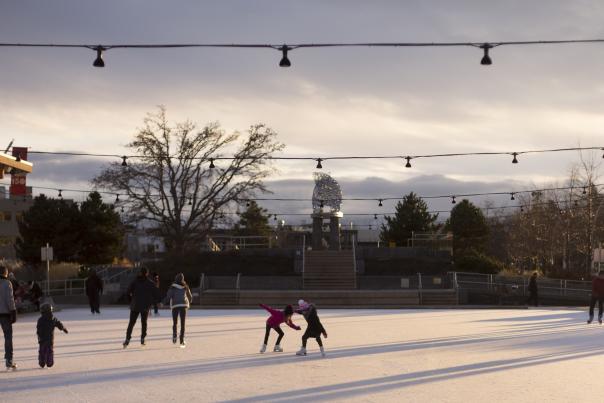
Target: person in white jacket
179	297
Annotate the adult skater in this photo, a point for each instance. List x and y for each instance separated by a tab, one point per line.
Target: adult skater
597	294
314	329
35	294
94	290
533	290
142	293
8	316
179	297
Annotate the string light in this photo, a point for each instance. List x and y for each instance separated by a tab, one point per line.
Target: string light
486	60
319	165
212	166
453	200
380	203
408	164
60	194
515	160
321	204
190	201
98	62
124	163
512	196
247	204
284	60
117	198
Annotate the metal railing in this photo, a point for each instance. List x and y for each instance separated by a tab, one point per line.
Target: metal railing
65	287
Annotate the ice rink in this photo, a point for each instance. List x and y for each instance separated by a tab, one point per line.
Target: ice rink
536	355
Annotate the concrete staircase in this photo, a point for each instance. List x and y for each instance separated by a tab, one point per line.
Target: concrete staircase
329	270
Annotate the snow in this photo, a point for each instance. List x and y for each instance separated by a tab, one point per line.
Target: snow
373	355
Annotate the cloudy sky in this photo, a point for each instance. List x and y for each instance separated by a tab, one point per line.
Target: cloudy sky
341	101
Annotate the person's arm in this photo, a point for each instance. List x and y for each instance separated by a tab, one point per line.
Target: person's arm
57	323
189	294
101	285
39	329
130	290
292	325
269	309
169	296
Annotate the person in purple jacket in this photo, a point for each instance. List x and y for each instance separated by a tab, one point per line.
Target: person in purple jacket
274	322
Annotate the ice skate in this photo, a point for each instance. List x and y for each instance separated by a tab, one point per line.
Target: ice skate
277	349
174	340
323	352
11	366
600	319
143	344
126	342
591	319
183	344
263	348
302	351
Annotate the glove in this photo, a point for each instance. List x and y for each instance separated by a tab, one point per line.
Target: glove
298	328
13	316
65	331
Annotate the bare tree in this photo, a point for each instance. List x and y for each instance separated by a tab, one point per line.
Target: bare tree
181	180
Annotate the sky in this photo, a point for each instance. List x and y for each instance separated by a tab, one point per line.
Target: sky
335	101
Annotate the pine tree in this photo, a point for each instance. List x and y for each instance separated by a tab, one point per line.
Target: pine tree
411	216
253	221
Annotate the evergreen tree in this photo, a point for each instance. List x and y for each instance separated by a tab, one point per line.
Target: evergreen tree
102	232
411	216
253	221
469	227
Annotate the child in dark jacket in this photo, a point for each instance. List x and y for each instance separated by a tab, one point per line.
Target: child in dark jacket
274	322
46	329
314	329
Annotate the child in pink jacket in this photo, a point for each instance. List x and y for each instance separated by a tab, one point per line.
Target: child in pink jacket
274	322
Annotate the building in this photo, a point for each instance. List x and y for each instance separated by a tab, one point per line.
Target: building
11	210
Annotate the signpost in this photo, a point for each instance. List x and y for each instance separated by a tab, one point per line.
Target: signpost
47	255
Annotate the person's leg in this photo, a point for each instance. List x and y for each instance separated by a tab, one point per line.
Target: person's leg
266	334
50	356
133	318
144	316
600	303
97	303
536	298
305	338
281	334
183	316
155	309
174	323
41	358
592	304
7	329
91	303
319	341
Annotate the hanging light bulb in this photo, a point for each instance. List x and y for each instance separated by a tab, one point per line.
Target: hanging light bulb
122	209
124	163
284	60
486	59
380	203
319	166
60	194
212	166
584	190
247	204
375	216
117	198
512	196
515	160
408	164
190	201
321	204
576	203
275	217
453	200
98	62
521	209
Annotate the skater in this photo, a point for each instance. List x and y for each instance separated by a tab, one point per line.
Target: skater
35	294
8	316
274	322
142	293
179	297
533	290
314	329
597	295
155	278
94	290
46	335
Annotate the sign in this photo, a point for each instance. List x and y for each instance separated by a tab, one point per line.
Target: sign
46	253
18	180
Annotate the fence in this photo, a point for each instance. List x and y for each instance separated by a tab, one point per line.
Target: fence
65	287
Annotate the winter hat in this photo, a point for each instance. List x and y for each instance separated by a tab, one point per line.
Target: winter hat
289	310
179	279
302	304
46	307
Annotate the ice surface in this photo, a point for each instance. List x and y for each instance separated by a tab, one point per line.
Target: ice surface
536	355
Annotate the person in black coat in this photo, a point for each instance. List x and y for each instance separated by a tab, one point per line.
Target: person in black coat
35	293
314	329
533	290
143	294
46	335
94	290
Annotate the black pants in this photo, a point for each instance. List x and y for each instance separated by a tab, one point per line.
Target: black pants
156	308
534	298
133	318
7	329
276	329
592	305
176	312
46	355
307	336
94	300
